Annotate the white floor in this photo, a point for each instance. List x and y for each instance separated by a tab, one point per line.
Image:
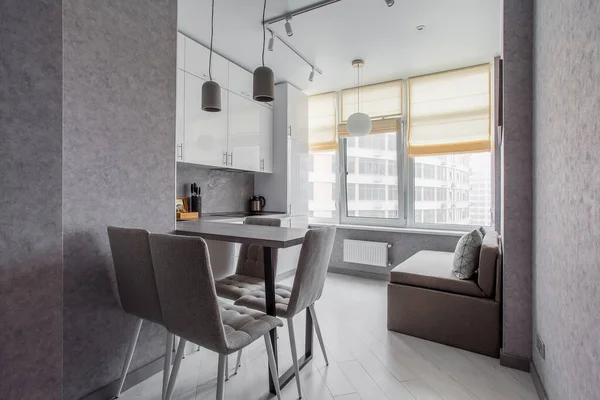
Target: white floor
366	360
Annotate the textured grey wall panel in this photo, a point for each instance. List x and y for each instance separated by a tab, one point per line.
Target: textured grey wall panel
517	175
222	191
404	245
30	199
119	169
567	196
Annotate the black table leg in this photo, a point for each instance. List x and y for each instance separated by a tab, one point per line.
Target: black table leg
270	304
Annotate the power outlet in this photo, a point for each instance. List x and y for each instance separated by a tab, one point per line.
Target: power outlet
541	346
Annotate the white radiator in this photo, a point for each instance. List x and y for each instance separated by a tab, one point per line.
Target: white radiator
362	252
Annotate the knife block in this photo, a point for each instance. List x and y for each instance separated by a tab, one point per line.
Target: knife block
196	204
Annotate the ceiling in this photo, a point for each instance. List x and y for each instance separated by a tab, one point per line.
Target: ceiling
457	33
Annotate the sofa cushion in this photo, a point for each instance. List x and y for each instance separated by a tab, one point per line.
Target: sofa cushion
487	263
433	270
466	255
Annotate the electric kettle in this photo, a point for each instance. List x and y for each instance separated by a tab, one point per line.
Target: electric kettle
257	203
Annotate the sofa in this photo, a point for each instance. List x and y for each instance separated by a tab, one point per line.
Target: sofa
426	299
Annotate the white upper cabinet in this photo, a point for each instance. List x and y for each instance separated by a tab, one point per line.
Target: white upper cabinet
297	109
179	112
180	51
196	62
244	133
240	81
205	132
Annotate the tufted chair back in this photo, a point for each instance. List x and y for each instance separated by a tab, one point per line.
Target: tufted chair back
186	289
134	273
312	269
251	258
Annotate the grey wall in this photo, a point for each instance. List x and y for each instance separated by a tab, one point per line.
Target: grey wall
404	245
118	169
517	177
222	191
30	199
567	196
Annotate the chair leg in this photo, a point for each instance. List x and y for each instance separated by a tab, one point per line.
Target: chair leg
272	365
129	356
311	308
226	368
290	325
167	367
221	377
176	366
238	363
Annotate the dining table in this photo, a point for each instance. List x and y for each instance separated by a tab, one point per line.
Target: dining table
269	238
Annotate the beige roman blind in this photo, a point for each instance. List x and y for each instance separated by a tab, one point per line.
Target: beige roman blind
450	112
381	100
322	122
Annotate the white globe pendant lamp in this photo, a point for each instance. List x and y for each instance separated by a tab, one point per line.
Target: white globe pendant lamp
358	124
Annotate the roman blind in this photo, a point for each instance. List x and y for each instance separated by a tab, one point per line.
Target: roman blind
450	112
381	100
322	125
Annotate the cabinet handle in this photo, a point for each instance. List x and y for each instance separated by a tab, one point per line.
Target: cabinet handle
180	148
262	164
289	209
225	158
290	131
231	162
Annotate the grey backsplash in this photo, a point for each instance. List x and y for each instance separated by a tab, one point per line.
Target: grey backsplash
222	191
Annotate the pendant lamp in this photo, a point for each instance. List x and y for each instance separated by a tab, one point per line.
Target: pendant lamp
358	124
264	82
211	91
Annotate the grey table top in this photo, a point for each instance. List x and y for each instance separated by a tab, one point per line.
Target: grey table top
268	236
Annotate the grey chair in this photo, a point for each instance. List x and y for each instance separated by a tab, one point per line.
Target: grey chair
136	286
191	309
307	288
249	274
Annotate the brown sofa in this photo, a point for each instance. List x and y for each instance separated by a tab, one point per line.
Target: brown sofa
426	300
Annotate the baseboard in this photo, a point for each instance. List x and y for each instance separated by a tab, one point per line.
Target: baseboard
537	382
360	274
285	275
133	378
514	362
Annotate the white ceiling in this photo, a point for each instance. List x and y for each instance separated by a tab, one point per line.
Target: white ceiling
458	33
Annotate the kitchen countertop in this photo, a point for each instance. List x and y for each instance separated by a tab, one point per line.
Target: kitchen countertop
233	217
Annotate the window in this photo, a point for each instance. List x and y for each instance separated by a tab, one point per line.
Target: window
374	175
322	193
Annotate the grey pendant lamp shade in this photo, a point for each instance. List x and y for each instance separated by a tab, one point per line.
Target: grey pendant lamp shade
211	96
211	91
263	89
264	84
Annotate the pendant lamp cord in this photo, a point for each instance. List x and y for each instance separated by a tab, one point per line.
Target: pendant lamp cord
212	30
264	32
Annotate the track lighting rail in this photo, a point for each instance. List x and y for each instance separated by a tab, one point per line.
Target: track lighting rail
299	11
289	46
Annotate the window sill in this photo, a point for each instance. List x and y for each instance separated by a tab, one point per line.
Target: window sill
417	231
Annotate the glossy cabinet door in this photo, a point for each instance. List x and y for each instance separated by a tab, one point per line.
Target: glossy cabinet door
205	133
179	120
244	133
240	81
180	51
298	178
266	139
297	109
196	63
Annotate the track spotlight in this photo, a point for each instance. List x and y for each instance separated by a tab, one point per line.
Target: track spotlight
389	2
288	26
312	75
271	42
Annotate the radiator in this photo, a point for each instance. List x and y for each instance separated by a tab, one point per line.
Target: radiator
370	253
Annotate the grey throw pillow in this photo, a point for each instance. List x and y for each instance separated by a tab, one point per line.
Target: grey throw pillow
466	255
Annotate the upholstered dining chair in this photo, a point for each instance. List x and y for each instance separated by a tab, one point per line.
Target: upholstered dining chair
305	291
249	273
192	311
137	291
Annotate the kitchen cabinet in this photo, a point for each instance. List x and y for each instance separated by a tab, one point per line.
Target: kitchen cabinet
286	189
196	63
266	139
244	133
205	133
179	113
180	51
240	81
